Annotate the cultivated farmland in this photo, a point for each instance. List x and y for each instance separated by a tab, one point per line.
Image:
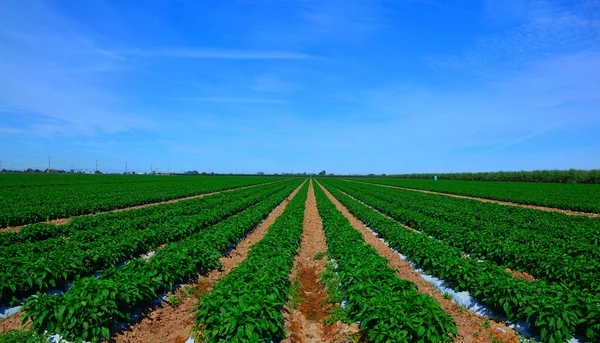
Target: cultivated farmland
224	259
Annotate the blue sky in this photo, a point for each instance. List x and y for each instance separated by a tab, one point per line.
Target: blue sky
279	86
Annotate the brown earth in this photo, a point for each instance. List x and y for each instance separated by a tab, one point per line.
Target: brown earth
471	327
520	275
166	323
508	203
61	221
304	322
12	323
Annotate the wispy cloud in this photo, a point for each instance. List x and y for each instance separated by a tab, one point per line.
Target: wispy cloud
525	31
229	100
516	141
455	7
277	81
347	19
230	54
10	131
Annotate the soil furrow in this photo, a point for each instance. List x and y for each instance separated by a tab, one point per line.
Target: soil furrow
62	221
304	321
507	203
521	275
12	323
168	323
472	328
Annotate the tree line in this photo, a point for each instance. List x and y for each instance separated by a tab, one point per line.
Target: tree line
558	176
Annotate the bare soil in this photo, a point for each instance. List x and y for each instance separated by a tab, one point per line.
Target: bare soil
521	275
62	221
12	323
508	203
472	328
304	322
166	323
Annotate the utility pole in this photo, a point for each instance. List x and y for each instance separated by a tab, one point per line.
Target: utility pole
151	169
96	165
0	166
48	163
125	167
168	169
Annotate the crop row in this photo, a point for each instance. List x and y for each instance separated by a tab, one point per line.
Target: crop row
522	239
117	221
246	305
390	309
567	196
79	255
97	226
92	307
69	195
554	311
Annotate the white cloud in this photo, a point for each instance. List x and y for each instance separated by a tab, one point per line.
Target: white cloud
229	100
10	131
209	53
509	108
522	31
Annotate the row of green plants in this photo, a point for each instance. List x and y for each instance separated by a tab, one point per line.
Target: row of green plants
389	309
26	199
575	197
78	256
29	237
23	336
554	311
116	221
523	239
92	307
246	306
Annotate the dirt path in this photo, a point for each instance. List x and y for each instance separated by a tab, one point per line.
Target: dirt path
508	203
173	324
304	322
471	327
62	221
521	275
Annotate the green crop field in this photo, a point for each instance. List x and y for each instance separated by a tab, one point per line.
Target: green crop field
101	277
571	196
31	198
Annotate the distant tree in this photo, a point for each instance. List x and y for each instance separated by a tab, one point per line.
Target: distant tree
260	173
322	173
